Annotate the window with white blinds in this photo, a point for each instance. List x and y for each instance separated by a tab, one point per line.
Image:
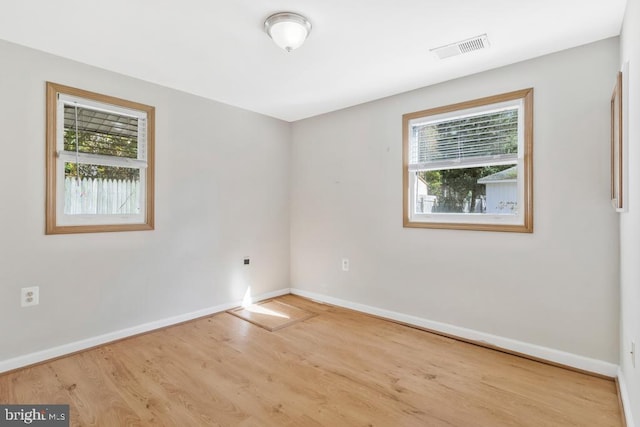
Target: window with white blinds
464	141
468	165
100	162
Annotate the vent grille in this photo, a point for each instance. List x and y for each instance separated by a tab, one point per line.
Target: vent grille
464	46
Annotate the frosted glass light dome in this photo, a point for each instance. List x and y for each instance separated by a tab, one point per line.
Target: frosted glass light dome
288	30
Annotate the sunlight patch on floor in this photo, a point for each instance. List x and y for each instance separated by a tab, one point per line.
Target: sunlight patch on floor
255	308
272	314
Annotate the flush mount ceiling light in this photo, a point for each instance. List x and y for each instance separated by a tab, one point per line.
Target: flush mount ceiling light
287	29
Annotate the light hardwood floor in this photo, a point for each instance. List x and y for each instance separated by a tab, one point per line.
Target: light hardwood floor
340	368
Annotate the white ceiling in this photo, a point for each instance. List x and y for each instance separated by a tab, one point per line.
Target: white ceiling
358	50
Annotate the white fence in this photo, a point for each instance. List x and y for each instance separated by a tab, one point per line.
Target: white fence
101	196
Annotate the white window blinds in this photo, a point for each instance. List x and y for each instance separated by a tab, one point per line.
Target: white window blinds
101	134
466	139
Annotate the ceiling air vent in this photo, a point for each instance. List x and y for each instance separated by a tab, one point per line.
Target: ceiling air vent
464	46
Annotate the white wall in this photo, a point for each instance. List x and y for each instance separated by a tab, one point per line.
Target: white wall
630	221
222	192
555	288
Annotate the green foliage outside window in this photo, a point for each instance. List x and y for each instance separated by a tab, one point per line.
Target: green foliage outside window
105	144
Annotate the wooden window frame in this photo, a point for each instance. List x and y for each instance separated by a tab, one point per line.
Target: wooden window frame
526	95
617	160
51	224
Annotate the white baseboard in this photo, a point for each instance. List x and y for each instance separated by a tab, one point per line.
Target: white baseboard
544	353
624	396
51	353
556	356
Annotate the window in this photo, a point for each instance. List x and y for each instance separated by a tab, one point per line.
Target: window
100	174
469	165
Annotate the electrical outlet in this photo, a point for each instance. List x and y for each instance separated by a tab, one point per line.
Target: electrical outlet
30	296
633	354
345	264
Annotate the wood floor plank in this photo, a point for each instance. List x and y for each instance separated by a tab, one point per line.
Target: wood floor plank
338	368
